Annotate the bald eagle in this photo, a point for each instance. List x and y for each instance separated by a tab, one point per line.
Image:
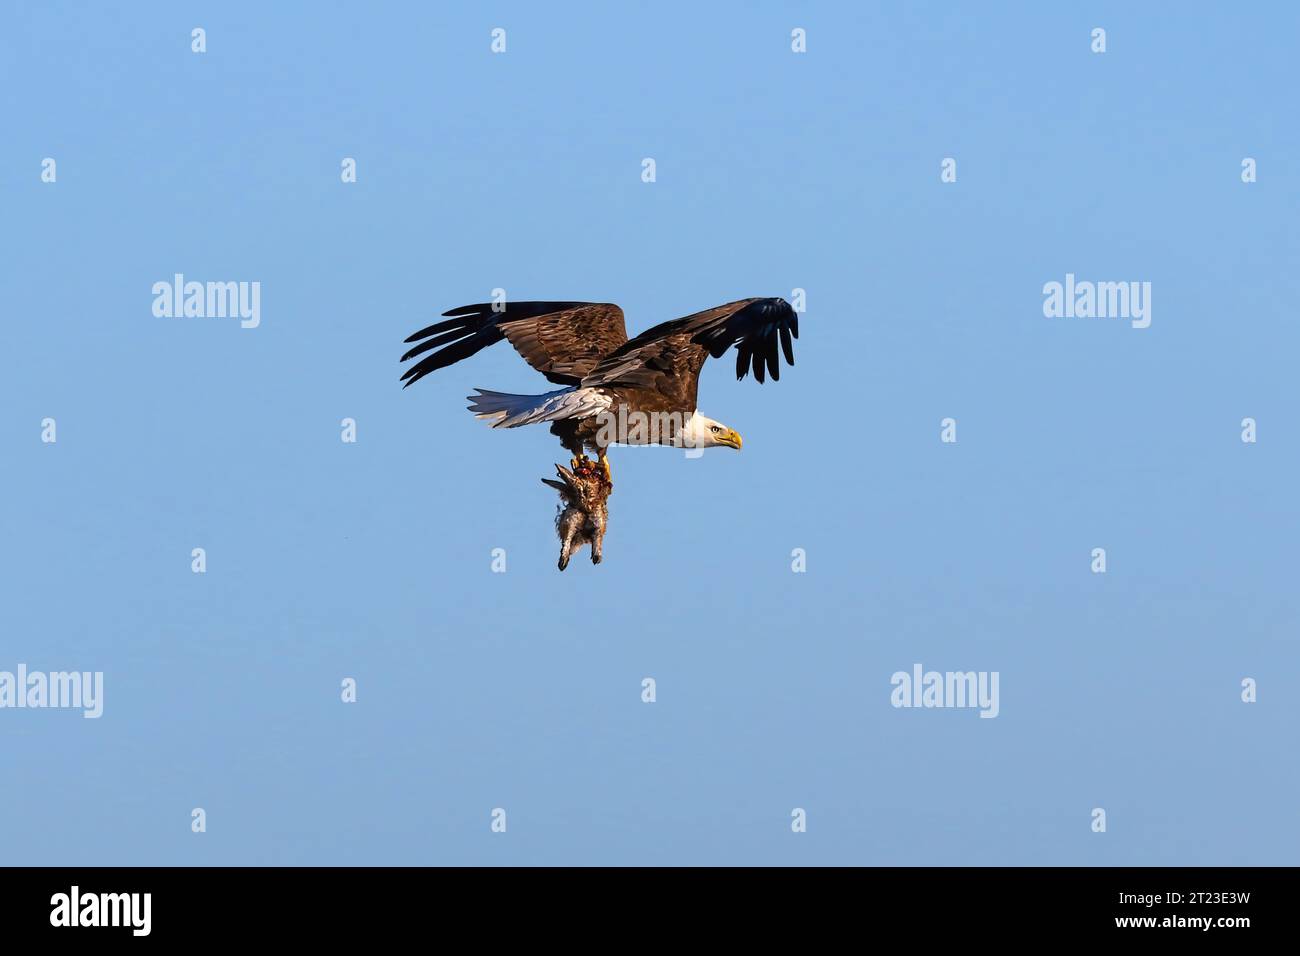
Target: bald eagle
615	390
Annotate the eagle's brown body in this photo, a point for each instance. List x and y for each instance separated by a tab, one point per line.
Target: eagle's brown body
578	433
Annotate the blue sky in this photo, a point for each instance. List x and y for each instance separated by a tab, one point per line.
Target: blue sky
522	690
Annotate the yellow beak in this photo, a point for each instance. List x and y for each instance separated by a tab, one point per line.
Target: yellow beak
730	438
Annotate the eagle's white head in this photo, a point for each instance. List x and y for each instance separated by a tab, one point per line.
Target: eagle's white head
700	431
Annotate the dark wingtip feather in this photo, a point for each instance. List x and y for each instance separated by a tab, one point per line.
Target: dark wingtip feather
435	329
469	309
459	332
754	331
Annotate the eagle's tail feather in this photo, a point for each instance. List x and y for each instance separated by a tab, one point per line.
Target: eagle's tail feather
504	410
497	406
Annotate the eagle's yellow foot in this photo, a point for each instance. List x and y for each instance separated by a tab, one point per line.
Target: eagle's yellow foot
576	463
604	467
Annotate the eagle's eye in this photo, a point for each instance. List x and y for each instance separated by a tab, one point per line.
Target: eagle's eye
715	429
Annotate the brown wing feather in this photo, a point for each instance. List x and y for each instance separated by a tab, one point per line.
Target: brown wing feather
562	340
667	358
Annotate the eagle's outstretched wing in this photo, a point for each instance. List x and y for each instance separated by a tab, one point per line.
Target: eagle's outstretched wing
562	340
668	357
